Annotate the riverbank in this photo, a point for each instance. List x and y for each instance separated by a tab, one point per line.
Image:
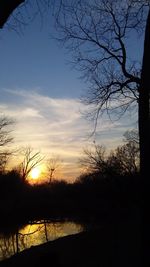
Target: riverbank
111	245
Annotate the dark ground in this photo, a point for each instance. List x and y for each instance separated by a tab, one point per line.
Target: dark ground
113	204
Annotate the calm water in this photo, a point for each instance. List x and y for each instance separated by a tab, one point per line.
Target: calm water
35	234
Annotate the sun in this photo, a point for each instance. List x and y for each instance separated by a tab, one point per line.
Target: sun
35	173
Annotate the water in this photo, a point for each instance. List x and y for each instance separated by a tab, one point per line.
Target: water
35	234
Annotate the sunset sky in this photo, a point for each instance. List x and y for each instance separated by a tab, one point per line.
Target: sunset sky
41	91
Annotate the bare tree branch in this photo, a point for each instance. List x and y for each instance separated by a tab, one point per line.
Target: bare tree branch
53	163
5	140
31	160
96	33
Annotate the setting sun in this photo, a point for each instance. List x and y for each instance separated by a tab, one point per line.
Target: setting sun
35	173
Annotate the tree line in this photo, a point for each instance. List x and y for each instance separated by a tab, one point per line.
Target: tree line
124	160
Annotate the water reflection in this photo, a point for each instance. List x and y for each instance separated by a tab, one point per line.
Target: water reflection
35	234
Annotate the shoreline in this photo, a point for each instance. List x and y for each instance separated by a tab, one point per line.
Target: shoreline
112	245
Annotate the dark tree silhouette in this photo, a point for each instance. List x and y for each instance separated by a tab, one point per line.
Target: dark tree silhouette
5	140
144	108
93	159
97	33
30	161
5	132
127	157
132	136
52	164
124	160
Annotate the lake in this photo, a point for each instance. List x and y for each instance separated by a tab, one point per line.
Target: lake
34	234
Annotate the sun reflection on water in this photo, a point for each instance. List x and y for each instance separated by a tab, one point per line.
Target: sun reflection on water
35	234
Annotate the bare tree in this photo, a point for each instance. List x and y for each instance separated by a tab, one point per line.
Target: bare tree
5	140
132	136
93	159
4	158
130	152
98	33
124	160
5	131
31	160
53	164
127	157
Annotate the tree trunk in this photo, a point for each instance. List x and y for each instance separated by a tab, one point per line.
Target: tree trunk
144	110
144	134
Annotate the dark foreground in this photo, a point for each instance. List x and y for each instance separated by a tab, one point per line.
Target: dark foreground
112	202
113	245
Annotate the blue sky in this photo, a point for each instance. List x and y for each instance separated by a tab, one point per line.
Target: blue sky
41	91
33	59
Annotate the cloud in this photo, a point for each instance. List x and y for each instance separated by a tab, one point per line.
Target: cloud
55	126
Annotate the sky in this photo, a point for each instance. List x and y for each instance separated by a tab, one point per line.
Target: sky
41	91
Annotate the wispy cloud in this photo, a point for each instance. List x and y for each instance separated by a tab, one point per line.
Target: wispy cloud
55	126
